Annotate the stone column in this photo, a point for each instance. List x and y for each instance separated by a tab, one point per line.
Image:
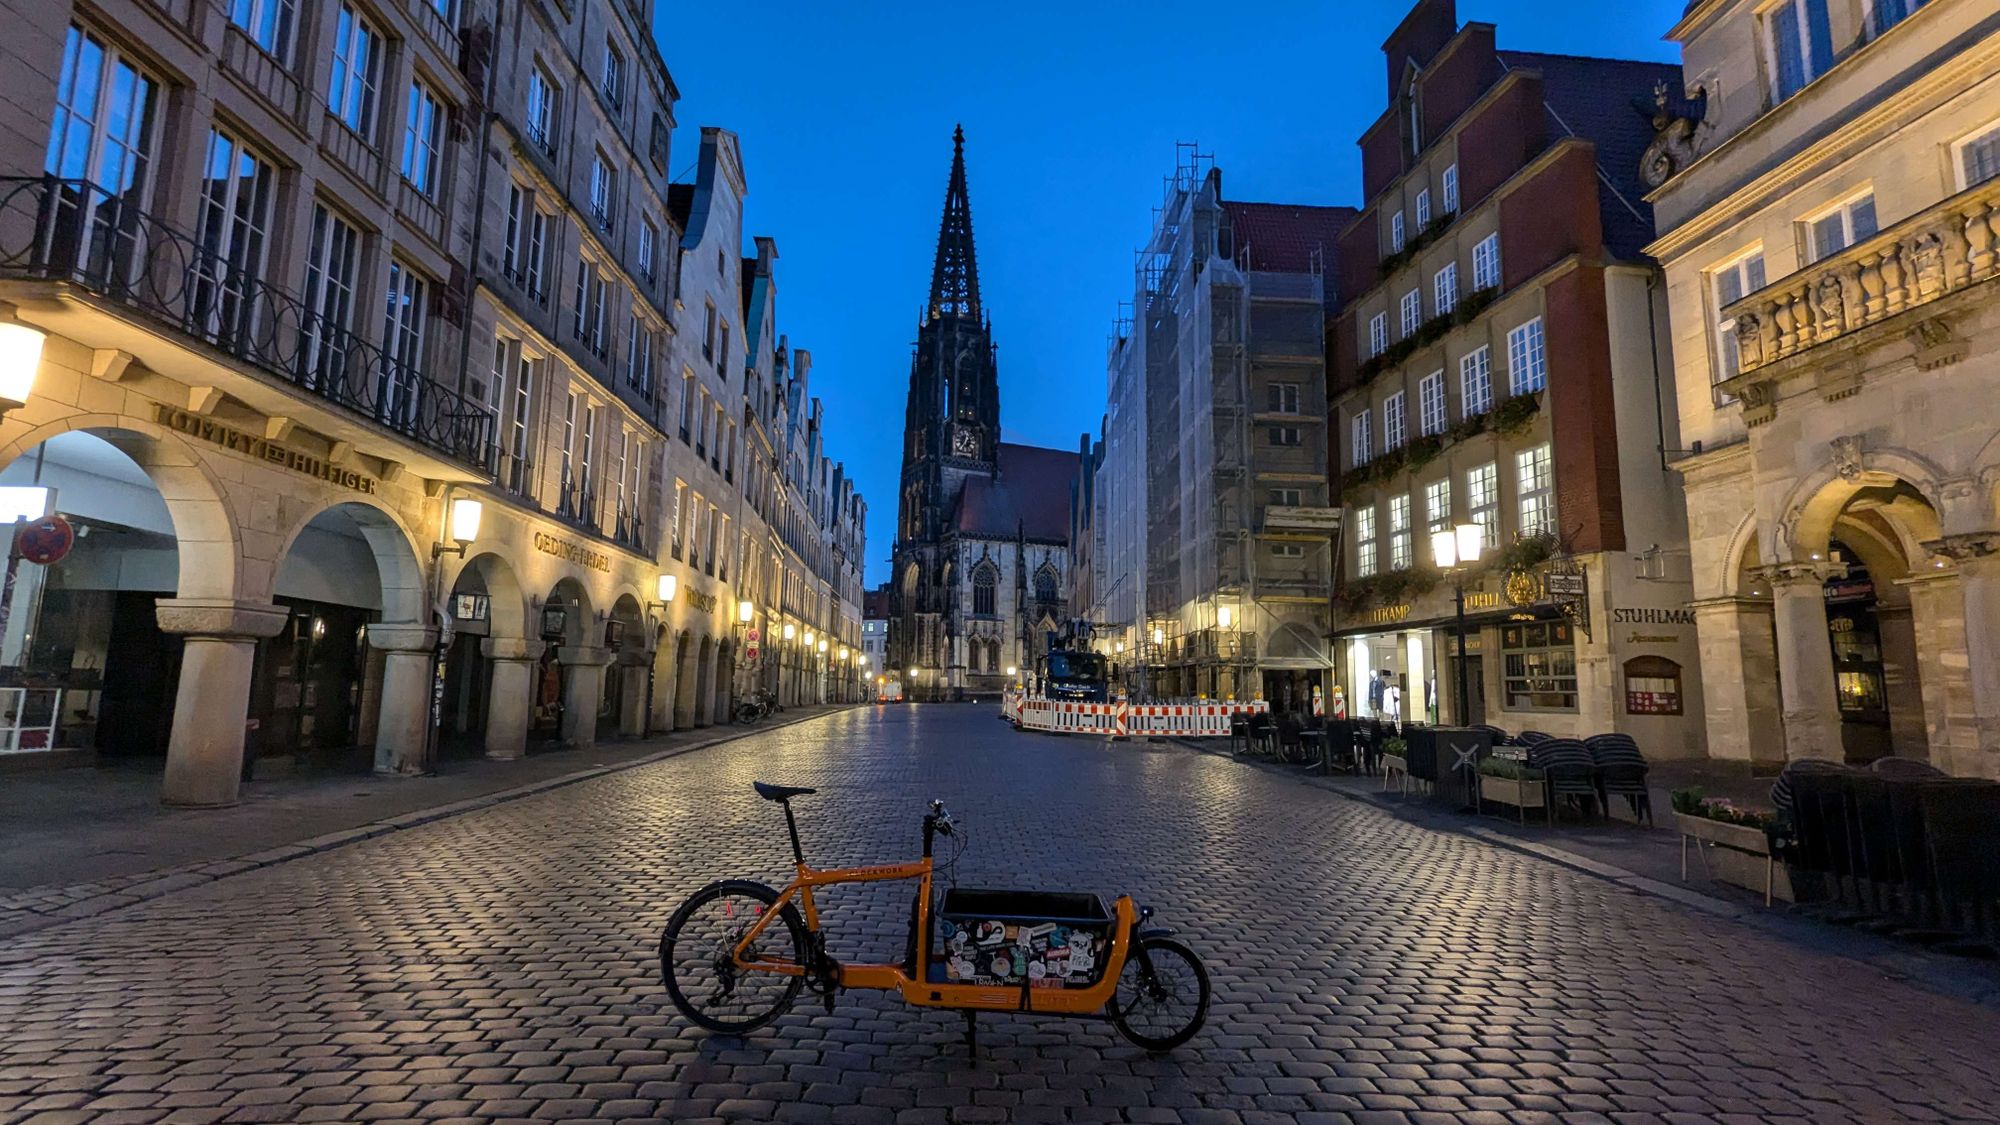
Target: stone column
510	699
402	730
1978	558
1806	688
632	694
664	685
583	689
1739	670
205	749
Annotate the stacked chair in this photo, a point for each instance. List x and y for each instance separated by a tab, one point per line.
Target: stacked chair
1567	770
1621	772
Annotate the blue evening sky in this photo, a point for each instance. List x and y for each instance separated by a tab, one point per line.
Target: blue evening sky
1071	112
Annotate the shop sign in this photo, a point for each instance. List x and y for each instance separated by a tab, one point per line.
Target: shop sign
1387	615
1638	616
471	607
572	551
262	449
701	601
1482	599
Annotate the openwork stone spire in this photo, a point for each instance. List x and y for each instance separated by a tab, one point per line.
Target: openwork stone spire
955	277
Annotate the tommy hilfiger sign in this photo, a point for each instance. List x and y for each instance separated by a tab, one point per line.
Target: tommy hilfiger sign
262	449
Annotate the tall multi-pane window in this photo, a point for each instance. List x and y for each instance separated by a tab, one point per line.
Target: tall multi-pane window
1482	500
1430	405
331	262
1486	263
680	506
1451	189
613	78
687	404
521	397
357	68
1364	442
1535	475
1364	541
1527	359
236	191
1413	312
1475	382
1378	335
403	330
568	450
511	251
1800	42
104	131
620	498
1835	230
708	333
539	249
1977	158
649	235
1395	428
588	323
1396	233
268	23
985	583
1437	506
423	141
1444	288
603	189
640	345
544	104
1399	532
1423	209
722	350
586	483
1885	14
1732	282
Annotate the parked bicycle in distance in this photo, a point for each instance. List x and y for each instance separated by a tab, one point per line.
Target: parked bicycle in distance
756	707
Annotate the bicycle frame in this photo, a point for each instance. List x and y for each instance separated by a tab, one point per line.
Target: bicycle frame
916	989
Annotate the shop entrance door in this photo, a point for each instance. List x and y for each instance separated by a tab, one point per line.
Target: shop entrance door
142	672
1473	668
467	676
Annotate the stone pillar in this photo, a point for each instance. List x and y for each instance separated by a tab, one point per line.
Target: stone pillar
632	695
402	731
1806	686
205	749
1978	558
510	699
583	690
664	686
1739	670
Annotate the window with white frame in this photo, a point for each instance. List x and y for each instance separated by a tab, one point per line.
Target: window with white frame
1437	506
649	235
1527	359
1288	551
1976	159
613	78
639	346
332	258
236	189
687	404
517	220
1482	500
1451	189
544	106
676	532
1394	427
1396	233
1412	312
603	189
1282	435
1885	14
1285	497
357	68
1475	382
1364	541
1431	417
1486	263
1423	209
515	439
106	121
1283	398
1399	532
403	339
423	141
1378	335
1363	437
1534	473
267	23
1444	288
1799	44
1841	226
540	247
1731	283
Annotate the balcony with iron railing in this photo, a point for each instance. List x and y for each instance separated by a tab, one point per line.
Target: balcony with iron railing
576	503
1863	292
627	529
121	257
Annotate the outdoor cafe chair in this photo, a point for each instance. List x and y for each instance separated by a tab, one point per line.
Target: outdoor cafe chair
1566	769
1621	772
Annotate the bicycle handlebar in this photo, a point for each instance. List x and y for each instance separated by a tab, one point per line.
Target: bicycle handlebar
937	822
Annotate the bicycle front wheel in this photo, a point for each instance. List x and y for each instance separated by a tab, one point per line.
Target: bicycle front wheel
698	966
1162	995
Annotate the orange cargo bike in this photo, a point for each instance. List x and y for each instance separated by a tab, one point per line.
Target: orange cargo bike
736	955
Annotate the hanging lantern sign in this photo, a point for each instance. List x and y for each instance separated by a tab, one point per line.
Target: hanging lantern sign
46	540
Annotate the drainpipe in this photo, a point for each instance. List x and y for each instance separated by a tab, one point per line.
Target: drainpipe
1653	342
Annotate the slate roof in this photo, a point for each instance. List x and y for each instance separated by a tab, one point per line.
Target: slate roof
1030	493
1592	99
1282	236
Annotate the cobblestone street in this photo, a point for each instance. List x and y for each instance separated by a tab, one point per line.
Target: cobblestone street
502	964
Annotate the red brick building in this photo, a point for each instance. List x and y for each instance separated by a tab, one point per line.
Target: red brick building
1501	360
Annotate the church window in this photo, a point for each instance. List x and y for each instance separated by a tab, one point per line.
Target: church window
985	582
1045	585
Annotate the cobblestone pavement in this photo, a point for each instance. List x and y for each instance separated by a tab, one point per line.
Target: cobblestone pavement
500	965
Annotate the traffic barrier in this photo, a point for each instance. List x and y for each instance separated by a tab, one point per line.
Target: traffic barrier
1122	719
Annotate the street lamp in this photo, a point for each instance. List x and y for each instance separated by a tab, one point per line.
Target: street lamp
1224	616
20	361
464	524
809	638
790	630
1456	551
745	611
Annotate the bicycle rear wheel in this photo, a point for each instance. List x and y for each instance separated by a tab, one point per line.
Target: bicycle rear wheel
1162	995
697	966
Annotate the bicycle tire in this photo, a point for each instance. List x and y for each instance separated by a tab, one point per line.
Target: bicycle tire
672	937
1136	969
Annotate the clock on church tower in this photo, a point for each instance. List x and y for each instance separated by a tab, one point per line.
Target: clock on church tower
964	441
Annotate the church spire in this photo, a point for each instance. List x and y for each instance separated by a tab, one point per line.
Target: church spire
955	277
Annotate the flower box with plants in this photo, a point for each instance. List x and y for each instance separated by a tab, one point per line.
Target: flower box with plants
1509	782
1733	842
1395	758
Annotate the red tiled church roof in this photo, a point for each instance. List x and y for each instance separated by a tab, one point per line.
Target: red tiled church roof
1029	494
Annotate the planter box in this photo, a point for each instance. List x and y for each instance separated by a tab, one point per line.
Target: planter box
1734	854
1393	764
1518	792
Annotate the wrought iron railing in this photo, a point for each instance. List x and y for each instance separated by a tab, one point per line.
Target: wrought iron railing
575	502
628	529
99	241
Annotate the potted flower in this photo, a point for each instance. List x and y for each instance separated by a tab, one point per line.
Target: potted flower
1511	782
1395	760
1734	843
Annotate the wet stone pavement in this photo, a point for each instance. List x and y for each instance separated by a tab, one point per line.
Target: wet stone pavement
501	965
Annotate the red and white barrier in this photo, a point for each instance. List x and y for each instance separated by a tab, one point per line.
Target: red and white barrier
1122	719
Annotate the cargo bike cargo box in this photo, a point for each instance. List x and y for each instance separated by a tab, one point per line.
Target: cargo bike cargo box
1036	939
